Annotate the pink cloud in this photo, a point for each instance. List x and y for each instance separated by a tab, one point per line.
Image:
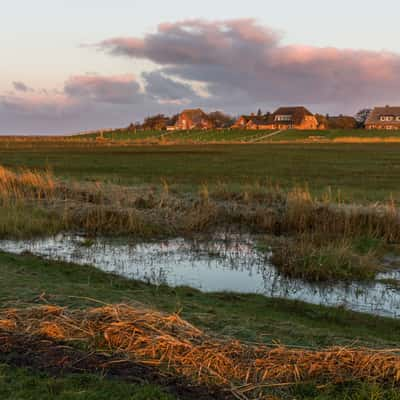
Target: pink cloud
90	102
119	89
242	57
37	103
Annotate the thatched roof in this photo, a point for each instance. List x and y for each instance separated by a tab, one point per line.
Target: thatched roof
297	114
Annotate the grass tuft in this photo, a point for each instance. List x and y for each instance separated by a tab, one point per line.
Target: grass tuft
310	260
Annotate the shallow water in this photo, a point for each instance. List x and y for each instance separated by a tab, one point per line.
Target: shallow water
230	264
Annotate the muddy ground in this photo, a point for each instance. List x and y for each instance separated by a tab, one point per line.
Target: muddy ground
56	359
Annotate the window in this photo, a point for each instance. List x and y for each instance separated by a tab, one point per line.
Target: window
283	118
398	118
387	118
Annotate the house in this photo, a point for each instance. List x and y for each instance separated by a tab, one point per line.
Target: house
193	119
259	122
384	118
171	126
294	118
282	118
341	122
242	121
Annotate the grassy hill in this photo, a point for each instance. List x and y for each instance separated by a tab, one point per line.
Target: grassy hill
238	135
192	136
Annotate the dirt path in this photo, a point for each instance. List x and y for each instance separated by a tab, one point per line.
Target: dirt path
259	139
56	358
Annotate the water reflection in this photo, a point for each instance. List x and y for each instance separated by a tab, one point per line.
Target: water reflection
230	263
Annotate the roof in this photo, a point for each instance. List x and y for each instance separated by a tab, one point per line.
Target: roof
196	115
260	120
246	117
197	112
298	113
375	115
292	110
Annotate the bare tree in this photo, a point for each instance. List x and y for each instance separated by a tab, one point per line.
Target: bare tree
220	120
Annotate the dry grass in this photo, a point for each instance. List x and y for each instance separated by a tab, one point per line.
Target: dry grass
168	341
350	139
28	197
15	186
298	212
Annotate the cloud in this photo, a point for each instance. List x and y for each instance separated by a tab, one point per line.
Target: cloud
38	113
21	87
88	102
163	88
193	42
36	104
240	60
121	89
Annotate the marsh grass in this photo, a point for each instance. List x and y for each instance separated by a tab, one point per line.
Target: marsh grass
320	232
21	221
101	208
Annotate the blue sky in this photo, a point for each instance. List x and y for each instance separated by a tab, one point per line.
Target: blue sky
43	45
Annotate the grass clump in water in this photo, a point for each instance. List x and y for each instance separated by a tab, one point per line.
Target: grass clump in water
335	260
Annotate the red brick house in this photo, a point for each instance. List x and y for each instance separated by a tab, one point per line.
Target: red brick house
242	121
259	122
193	119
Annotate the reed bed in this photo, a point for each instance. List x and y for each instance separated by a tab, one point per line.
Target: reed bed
168	341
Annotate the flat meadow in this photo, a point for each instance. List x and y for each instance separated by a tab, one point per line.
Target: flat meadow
359	172
327	212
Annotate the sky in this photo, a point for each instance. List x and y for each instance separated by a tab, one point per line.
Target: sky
70	66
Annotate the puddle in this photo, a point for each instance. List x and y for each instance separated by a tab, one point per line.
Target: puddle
223	264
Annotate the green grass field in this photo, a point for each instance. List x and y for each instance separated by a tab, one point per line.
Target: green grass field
332	134
361	172
222	135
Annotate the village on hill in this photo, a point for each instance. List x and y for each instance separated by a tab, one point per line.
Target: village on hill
298	118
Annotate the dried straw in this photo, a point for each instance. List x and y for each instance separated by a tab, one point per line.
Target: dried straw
169	341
